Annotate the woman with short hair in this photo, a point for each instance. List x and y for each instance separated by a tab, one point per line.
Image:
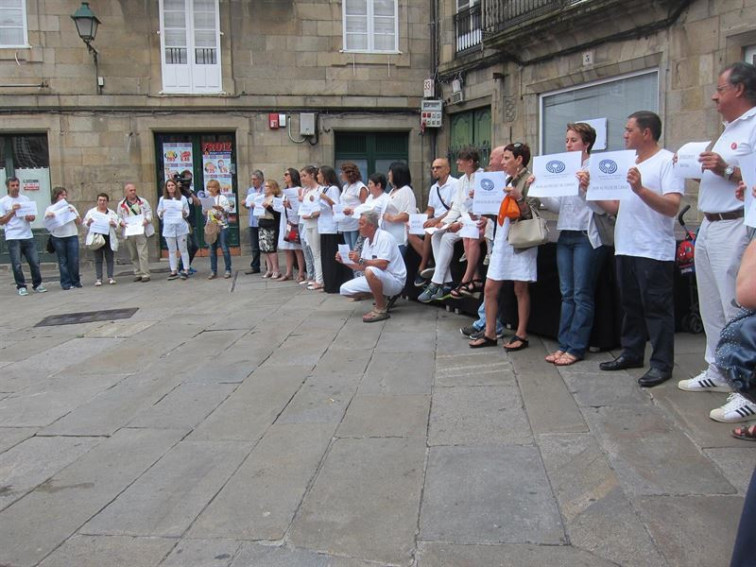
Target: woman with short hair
218	214
353	194
106	252
65	239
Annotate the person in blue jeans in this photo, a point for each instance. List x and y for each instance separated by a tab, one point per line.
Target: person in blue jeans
65	238
19	238
219	215
580	255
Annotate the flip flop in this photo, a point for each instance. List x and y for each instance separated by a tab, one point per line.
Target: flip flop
554	356
567	359
483	342
745	432
523	343
375	316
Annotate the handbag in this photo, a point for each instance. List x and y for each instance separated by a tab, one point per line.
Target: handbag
527	233
509	209
50	247
98	241
211	232
292	231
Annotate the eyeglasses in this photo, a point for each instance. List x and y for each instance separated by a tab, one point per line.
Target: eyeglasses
723	88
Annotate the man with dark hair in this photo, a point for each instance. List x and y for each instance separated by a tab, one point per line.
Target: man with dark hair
19	238
644	242
256	191
722	238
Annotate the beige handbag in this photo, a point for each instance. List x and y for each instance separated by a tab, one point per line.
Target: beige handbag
526	233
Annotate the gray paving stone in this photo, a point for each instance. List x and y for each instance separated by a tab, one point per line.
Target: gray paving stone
737	464
302	349
487	495
203	553
260	500
473	368
244	319
693	531
432	554
87	551
650	456
184	407
44	518
365	501
270	556
395	340
12	436
598	516
33	461
386	416
166	500
320	401
483	415
550	407
119	329
399	373
356	335
598	389
340	362
254	405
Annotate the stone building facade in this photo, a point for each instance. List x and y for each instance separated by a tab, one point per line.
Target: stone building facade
207	76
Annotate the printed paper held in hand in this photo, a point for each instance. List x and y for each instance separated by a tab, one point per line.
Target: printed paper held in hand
747	164
207	203
556	175
63	215
134	226
416	223
259	211
609	176
338	212
100	224
27	208
278	205
173	211
688	166
344	253
489	192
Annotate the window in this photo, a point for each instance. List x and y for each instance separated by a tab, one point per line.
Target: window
370	25
750	54
610	102
190	46
471	128
371	151
13	23
467	25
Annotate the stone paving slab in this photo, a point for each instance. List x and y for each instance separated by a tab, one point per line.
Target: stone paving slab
35	460
476	369
12	436
261	498
548	403
166	500
38	523
320	401
432	554
119	329
483	415
356	336
399	373
597	389
88	551
203	553
488	495
342	361
365	501
737	464
651	456
693	531
394	340
186	406
269	556
386	416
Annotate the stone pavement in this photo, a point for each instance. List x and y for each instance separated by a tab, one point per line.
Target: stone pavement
249	423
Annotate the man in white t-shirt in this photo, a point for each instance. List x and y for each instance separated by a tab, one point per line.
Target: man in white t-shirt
383	266
644	243
722	238
439	202
19	238
256	189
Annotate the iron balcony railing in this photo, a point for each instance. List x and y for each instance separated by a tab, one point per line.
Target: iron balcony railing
499	15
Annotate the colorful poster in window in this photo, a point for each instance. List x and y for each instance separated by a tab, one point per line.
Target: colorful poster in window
178	160
216	164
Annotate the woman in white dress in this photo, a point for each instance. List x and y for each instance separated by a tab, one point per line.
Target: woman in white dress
291	216
508	264
175	227
353	195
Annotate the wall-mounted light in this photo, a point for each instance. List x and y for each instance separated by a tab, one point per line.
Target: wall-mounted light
86	26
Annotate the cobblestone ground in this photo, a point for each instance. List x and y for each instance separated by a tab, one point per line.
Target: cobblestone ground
245	422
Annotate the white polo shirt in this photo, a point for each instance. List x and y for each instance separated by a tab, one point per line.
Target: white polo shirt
641	231
384	247
17	228
716	193
440	194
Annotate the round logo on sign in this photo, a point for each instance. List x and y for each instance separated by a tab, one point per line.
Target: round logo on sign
608	166
486	185
555	166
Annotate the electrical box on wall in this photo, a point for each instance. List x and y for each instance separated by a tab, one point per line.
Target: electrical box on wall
273	121
431	113
307	124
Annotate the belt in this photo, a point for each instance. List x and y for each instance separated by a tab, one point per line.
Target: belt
731	215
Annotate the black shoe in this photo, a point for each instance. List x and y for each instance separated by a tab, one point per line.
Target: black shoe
654	377
468	331
621	362
252	271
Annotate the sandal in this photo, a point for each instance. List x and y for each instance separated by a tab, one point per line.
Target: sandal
375	315
457	293
567	359
515	339
745	432
284	278
471	288
482	342
554	356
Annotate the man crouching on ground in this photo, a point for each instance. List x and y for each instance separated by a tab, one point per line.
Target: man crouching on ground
382	264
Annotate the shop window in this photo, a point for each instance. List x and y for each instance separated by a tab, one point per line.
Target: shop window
13	23
190	46
609	103
371	26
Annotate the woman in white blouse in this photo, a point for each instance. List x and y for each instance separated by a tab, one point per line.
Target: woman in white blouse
106	252
309	212
173	210
65	238
402	203
353	195
334	273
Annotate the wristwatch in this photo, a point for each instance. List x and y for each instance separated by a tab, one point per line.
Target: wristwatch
729	171
361	261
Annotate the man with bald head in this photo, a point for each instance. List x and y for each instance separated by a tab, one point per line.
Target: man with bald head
133	205
439	202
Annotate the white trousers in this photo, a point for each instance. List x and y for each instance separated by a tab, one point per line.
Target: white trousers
391	284
177	243
719	248
313	241
443	251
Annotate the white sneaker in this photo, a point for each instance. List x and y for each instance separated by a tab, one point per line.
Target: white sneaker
705	382
736	409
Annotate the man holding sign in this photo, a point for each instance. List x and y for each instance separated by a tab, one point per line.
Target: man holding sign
644	238
18	237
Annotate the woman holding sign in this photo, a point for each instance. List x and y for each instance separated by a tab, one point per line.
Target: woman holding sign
63	220
107	221
508	264
289	224
173	210
334	273
580	255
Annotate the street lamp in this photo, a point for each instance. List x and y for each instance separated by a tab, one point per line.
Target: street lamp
86	26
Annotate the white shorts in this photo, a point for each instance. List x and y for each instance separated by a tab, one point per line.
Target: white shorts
391	284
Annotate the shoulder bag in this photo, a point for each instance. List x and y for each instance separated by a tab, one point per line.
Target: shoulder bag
527	233
211	232
292	231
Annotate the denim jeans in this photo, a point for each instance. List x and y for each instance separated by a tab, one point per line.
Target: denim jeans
481	322
26	247
67	250
222	241
578	264
350	237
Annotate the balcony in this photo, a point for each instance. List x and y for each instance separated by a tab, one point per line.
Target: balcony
468	29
